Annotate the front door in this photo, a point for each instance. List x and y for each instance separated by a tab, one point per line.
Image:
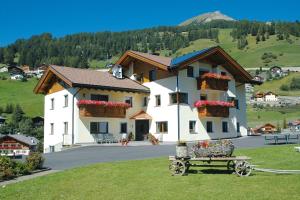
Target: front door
141	129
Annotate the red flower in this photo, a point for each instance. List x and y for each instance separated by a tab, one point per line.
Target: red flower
103	103
215	76
202	103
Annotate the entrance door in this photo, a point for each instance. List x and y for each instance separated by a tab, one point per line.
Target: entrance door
141	128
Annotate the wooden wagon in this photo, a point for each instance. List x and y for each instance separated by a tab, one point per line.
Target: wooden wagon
239	164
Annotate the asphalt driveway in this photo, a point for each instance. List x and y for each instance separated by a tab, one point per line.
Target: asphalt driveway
95	154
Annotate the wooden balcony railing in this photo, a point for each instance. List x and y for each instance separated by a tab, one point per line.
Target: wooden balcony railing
213	108
213	81
89	108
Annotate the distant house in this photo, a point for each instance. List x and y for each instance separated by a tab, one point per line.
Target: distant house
258	78
265	97
295	125
259	96
17	145
2	120
270	96
265	129
14	70
38	121
3	69
26	69
16	77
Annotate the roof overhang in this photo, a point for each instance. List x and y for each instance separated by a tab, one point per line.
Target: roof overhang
142	115
129	56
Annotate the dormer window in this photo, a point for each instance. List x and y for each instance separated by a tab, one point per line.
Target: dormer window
223	73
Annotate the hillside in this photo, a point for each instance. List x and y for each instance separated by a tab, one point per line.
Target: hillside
206	17
274	85
287	53
17	92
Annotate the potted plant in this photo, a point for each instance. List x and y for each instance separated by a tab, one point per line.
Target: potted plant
181	149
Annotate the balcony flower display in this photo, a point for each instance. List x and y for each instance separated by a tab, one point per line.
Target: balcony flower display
203	103
215	76
103	103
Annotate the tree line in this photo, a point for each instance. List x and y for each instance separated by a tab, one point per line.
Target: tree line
77	49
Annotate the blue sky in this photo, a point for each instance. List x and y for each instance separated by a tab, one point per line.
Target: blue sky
23	18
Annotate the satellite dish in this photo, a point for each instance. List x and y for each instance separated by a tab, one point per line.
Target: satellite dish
117	71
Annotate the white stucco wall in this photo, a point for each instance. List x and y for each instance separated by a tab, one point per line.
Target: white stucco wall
57	116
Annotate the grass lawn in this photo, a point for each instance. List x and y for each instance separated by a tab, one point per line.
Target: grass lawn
274	85
150	179
17	92
258	117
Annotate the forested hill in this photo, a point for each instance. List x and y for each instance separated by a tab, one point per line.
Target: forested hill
78	50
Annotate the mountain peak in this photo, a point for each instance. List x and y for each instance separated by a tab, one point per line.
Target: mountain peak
207	17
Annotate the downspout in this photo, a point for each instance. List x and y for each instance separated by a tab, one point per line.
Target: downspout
73	100
178	107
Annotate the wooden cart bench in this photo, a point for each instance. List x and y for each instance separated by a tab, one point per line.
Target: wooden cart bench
240	164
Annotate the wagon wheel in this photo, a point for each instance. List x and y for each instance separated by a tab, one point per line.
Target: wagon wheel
177	167
243	168
187	165
231	165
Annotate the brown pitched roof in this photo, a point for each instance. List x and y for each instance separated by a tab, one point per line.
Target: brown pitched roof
141	116
87	78
160	59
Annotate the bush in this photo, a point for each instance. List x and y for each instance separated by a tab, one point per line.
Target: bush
6	168
20	169
34	161
295	84
284	87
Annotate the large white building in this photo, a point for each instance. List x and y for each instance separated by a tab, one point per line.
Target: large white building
197	96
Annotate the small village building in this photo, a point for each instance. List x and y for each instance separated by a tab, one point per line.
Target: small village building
38	121
270	96
265	97
197	96
17	145
265	129
14	70
295	125
3	69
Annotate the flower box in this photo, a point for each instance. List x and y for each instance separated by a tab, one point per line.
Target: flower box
213	81
213	108
89	108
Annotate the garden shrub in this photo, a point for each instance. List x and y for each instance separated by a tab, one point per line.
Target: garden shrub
20	169
34	161
6	168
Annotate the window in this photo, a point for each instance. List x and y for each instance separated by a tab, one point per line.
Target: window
103	127
99	97
209	126
182	97
225	127
202	72
238	127
152	75
203	97
52	149
161	127
52	104
145	101
128	100
66	128
190	71
236	104
223	73
98	127
66	100
123	128
157	100
192	126
51	128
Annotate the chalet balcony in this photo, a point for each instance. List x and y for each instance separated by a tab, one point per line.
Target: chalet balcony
89	108
213	108
213	81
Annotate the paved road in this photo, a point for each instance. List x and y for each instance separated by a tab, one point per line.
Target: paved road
94	154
